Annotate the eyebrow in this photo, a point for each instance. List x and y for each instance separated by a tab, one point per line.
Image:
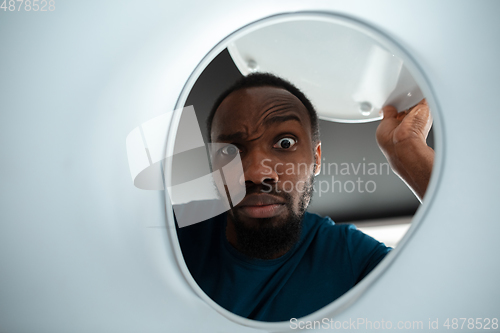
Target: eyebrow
281	119
240	136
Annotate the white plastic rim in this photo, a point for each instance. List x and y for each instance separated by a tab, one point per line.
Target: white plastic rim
347	75
350	297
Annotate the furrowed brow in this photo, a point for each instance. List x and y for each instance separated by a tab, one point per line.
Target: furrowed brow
280	119
237	136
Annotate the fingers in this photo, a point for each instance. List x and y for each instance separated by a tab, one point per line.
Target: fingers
428	125
414	110
429	121
421	111
401	115
427	113
389	111
419	118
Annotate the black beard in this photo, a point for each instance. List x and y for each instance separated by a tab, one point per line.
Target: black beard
271	238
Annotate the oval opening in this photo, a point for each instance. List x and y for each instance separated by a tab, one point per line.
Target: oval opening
355	184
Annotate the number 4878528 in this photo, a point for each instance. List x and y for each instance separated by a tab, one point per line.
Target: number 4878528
28	5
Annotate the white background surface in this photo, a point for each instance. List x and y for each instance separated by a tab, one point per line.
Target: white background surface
83	250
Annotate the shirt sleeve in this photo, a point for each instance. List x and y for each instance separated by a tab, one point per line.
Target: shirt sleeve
365	252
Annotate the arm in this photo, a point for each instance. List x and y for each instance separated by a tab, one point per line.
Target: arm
402	139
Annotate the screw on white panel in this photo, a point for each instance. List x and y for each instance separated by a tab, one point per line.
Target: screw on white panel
252	66
365	108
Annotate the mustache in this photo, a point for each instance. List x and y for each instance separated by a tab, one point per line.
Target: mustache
268	189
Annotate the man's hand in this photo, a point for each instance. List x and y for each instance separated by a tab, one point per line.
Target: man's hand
402	139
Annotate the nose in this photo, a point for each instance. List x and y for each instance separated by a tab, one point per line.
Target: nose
258	168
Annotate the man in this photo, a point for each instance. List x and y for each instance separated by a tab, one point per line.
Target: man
267	258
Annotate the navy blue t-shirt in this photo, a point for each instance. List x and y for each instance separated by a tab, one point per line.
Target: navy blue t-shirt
327	261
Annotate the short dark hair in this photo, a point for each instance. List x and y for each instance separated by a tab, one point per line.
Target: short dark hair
267	80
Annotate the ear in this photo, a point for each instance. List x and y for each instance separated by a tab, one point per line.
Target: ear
317	158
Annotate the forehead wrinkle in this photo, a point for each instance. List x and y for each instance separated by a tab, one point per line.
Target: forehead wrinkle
273	105
281	112
282	108
238	136
277	100
274	109
277	104
281	99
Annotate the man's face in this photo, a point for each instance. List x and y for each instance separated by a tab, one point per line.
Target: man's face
271	128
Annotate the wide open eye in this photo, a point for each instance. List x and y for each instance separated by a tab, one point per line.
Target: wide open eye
229	150
285	143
